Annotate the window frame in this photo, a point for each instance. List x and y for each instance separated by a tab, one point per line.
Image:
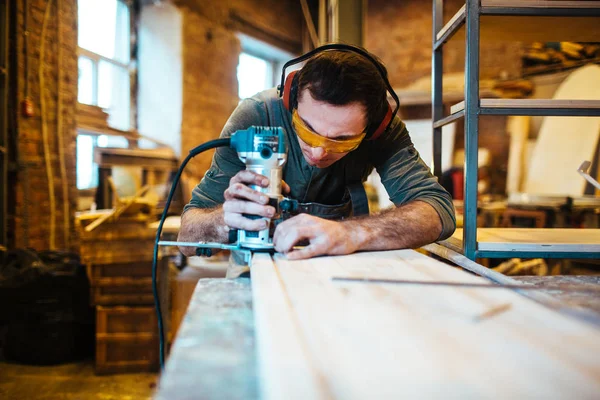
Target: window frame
96	58
272	64
130	68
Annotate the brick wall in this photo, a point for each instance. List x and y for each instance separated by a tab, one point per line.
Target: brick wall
32	220
399	32
210	56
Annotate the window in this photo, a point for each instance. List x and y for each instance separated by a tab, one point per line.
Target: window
259	66
254	75
104	57
87	169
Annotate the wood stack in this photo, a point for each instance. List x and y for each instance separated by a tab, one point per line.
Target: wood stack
549	57
118	256
91	117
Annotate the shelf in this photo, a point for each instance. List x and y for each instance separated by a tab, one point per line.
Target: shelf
511	21
449	119
540	7
580	108
409	97
531	242
451	27
423	97
533	201
530	21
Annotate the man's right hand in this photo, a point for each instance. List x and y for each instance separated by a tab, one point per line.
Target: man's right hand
241	199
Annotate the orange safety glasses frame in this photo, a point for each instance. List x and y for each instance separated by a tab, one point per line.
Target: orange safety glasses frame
313	139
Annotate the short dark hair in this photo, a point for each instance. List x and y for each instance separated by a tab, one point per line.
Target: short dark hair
343	77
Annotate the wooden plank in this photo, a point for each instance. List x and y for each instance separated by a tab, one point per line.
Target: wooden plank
125	320
213	356
139	269
532	28
534	239
286	365
541	3
550	104
398	341
518	129
459	14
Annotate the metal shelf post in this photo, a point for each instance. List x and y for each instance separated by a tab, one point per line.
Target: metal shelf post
437	69
471	127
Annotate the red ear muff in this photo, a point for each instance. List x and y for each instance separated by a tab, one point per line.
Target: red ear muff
287	89
384	124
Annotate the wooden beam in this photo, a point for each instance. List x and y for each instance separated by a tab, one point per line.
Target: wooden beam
363	340
284	360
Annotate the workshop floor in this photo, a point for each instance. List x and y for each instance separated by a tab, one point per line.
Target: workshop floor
73	381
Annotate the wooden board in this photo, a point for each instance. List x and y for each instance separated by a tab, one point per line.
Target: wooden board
541	3
319	338
284	362
122	291
518	129
531	103
213	356
563	143
534	239
531	28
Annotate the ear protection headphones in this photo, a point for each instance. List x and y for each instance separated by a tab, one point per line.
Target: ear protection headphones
287	89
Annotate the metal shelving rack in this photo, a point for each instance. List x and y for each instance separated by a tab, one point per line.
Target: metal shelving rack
531	20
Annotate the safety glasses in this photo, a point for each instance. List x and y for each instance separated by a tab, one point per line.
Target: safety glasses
313	139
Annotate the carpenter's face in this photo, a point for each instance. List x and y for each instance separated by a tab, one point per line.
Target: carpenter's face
341	123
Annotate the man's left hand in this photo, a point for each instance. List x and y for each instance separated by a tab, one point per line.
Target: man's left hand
325	237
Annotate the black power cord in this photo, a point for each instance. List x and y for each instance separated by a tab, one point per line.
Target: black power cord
193	153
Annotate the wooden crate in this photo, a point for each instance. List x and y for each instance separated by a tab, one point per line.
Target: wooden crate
124	283
126	340
127	239
122	291
116	251
99	272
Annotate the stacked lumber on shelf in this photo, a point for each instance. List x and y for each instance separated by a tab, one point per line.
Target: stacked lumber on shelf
118	256
321	338
555	56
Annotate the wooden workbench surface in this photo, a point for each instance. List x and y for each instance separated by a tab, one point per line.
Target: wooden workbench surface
215	354
557	287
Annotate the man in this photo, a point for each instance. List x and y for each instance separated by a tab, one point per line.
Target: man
339	96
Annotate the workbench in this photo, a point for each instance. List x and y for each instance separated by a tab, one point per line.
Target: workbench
214	355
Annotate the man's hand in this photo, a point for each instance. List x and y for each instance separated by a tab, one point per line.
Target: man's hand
324	236
241	199
408	226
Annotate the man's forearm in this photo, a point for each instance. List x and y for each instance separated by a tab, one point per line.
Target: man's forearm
408	226
199	224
